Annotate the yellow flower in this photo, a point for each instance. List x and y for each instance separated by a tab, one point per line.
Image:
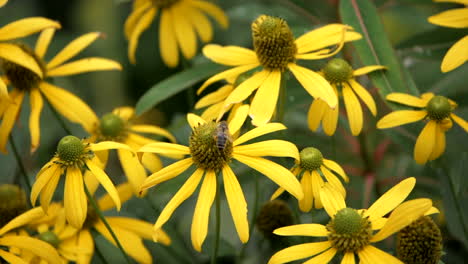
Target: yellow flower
9	239
214	102
350	231
437	110
181	22
211	150
72	159
25	81
341	76
3	2
311	166
119	126
457	18
276	51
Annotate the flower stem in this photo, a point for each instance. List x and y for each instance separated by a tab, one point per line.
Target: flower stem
214	256
252	221
20	164
103	219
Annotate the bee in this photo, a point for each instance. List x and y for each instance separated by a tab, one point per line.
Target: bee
221	135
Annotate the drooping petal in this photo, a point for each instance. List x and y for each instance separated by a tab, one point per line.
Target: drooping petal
153	130
330	119
141	25
15	54
165	148
247	87
325	36
237	117
456	55
167	173
84	65
368	69
439	144
139	227
259	131
72	49
86	243
460	121
106	145
325	257
212	10
25	27
274	148
364	95
43	42
75	202
22	219
9	117
402	216
215	97
353	109
201	24
406	99
312	230
7	256
454	18
152	162
315	114
134	18
336	168
275	172
390	199
48	191
194	120
184	32
372	255
307	202
182	194
230	55
333	180
167	40
34	118
134	170
236	202
400	117
299	252
332	199
264	102
348	258
425	142
317	184
42	179
125	192
33	245
233	72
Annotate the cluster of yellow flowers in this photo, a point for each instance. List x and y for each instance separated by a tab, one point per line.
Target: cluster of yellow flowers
59	232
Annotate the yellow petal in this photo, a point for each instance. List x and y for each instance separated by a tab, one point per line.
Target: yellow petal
182	194
125	192
247	87
312	230
333	180
237	117
299	252
141	25
373	255
70	106
23	219
307	202
316	187
274	148
141	228
454	18
368	69
406	99
330	118
325	36
325	257
15	54
86	243
102	177
314	84
275	172
332	199
432	210
390	199
165	148
134	170
348	258
34	122
353	109
48	191
25	27
212	10
134	18
3	2
194	120
315	114
460	121
425	142
84	65
167	40
336	168
43	42
75	201
124	112
215	97
7	256
259	131
278	192
400	117
365	96
106	145
236	202
9	117
230	55
184	32
35	246
233	72
264	102
151	162
42	179
153	130
72	49
402	216
167	173
439	144
201	24
463	2
456	55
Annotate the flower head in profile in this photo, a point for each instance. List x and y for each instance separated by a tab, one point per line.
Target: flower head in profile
436	110
275	52
25	81
342	78
351	232
311	166
211	150
181	21
456	18
120	126
72	159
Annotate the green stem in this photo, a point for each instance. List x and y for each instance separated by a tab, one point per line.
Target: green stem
214	256
20	163
252	221
103	219
59	119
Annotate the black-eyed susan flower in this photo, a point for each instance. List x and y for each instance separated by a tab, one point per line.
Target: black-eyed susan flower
342	78
25	81
350	232
276	51
211	151
13	211
456	18
313	169
437	110
181	21
72	159
120	126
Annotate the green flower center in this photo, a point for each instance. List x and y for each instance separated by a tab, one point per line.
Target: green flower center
73	152
311	159
163	3
20	77
50	237
420	242
349	230
211	145
12	202
438	108
112	127
273	215
273	42
337	71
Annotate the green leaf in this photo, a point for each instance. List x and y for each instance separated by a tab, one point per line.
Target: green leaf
375	48
175	84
